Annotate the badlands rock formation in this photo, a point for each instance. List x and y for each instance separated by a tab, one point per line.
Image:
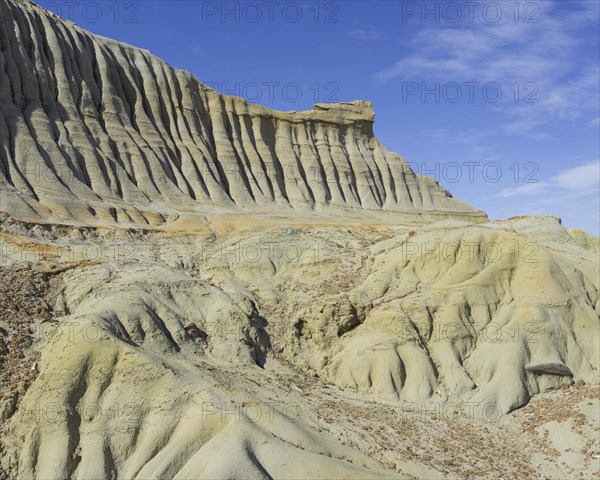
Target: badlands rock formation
101	132
271	353
198	287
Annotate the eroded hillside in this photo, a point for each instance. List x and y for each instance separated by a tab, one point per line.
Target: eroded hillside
296	340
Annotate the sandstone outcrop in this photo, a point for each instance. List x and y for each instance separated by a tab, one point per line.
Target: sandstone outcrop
103	133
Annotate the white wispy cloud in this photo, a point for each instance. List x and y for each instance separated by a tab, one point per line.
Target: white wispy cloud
520	57
371	34
464	137
578	181
581	177
594	122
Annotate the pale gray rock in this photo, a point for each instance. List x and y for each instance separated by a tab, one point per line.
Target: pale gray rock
287	260
98	132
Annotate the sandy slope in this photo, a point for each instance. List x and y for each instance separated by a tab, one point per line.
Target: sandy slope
300	362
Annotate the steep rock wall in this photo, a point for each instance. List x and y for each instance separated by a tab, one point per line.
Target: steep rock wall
95	130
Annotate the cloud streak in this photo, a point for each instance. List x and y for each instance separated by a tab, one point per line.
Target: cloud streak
578	181
514	55
369	35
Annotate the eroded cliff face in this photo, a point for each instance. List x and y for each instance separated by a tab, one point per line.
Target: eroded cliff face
95	131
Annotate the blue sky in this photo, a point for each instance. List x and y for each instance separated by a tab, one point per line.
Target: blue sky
498	100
